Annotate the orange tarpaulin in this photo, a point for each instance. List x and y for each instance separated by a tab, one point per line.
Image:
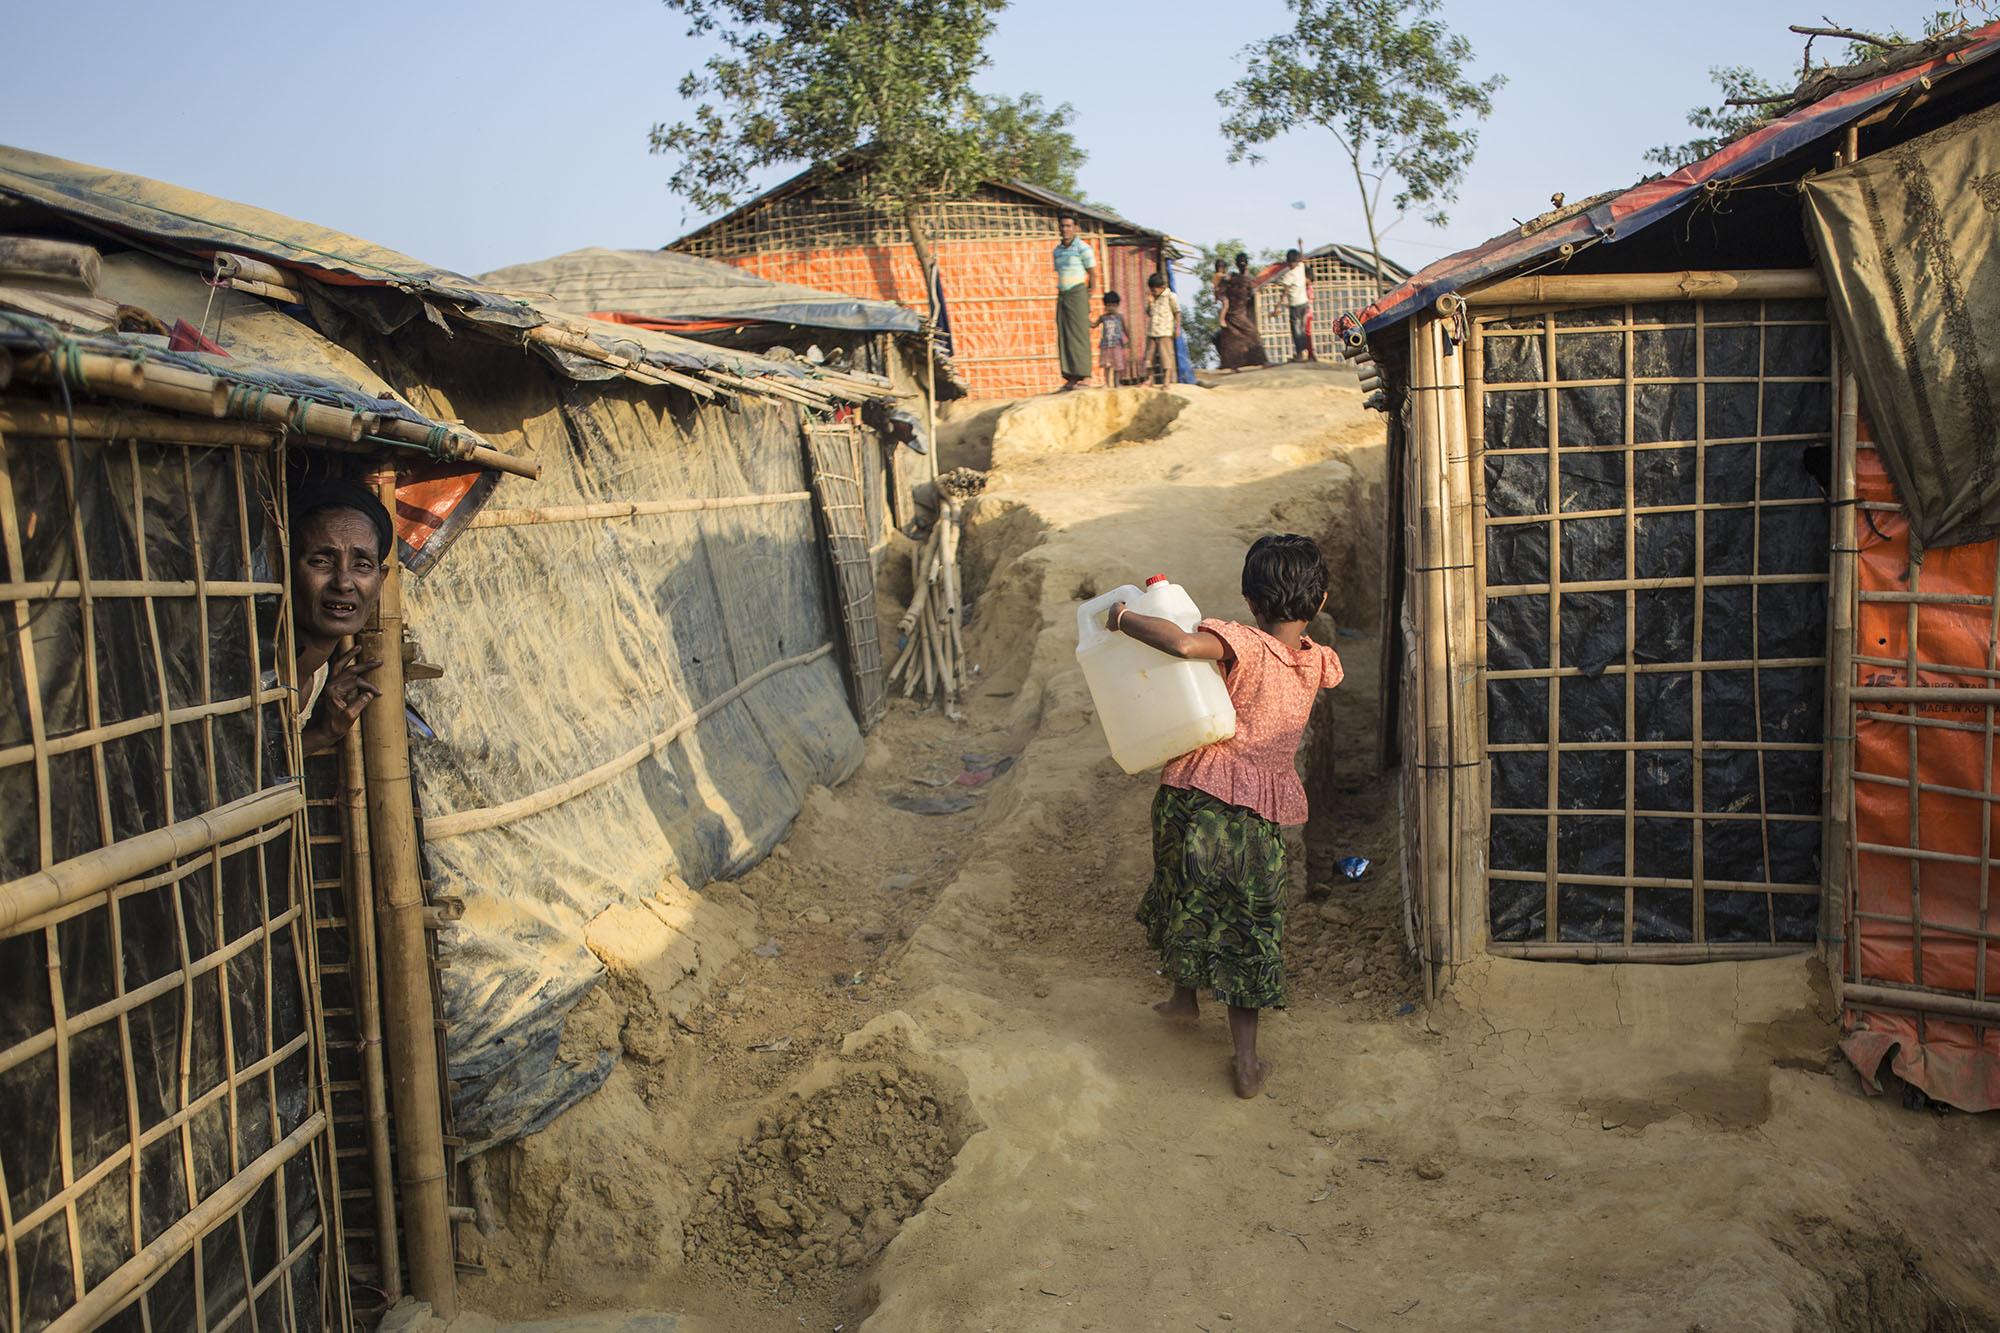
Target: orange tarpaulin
1920	921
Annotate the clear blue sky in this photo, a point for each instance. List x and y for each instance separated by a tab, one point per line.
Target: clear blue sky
474	135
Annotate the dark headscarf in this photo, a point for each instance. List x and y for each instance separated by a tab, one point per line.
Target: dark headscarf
340	493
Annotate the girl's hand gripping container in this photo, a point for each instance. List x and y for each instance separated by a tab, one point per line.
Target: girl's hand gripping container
1154	706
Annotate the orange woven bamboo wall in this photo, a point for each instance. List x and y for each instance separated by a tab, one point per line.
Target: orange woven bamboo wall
1000	294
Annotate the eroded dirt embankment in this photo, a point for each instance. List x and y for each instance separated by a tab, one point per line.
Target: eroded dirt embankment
935	1056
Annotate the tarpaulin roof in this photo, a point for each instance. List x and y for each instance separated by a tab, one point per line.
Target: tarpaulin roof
813	176
669	287
168	219
1620	215
137	209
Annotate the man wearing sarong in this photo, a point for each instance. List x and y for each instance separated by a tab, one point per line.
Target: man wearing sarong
1076	279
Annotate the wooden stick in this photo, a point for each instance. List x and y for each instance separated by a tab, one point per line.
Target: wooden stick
405	954
72	881
365	982
1612	288
513	518
472	821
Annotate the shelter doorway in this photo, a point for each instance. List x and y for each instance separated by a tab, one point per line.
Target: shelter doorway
1651	562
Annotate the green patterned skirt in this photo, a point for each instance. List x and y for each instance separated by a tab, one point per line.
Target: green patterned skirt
1216	907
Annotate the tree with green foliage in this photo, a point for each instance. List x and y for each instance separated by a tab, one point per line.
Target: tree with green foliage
890	80
1031	141
1387	79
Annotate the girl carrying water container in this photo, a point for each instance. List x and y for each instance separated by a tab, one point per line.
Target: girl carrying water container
1216	907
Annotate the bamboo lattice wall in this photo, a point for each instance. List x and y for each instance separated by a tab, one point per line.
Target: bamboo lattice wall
164	1157
1654	550
993	252
1336	288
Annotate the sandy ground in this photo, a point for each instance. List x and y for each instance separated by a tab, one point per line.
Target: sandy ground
1553	1147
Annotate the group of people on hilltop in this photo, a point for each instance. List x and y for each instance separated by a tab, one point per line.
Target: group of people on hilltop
1076	282
1238	343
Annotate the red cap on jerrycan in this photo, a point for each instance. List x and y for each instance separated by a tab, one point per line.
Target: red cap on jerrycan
1157	578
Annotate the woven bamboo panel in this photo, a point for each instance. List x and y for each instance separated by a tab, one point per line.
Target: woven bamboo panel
1336	289
163	1133
1654	552
1000	294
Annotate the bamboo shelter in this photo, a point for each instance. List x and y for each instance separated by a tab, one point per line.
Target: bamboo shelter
1680	680
167	1133
668	635
992	248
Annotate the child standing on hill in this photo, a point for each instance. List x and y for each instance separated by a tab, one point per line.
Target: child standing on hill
1113	341
1163	328
1216	907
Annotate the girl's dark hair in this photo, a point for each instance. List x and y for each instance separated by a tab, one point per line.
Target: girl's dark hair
1242	260
1284	577
1112	298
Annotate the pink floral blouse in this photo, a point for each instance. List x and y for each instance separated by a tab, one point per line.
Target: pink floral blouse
1273	688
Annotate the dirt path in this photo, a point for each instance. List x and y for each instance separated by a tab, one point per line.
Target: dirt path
973	1120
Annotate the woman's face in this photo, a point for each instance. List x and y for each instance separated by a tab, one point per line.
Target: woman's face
336	573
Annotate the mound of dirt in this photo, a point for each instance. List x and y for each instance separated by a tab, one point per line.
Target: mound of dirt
825	1184
1069	423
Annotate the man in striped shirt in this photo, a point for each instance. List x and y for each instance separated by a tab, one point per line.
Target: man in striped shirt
1076	280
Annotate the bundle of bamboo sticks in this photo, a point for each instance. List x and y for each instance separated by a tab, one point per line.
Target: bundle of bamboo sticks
933	629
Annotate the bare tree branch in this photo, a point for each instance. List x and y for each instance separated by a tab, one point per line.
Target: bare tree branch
1845	34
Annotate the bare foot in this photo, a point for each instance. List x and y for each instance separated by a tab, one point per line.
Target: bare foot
1179	1008
1250	1080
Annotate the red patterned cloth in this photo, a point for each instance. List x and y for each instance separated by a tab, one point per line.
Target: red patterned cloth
1272	687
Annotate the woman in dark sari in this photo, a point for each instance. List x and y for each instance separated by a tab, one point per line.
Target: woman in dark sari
1238	343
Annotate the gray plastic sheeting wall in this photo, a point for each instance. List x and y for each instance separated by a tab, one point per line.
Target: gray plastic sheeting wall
1753	381
566	645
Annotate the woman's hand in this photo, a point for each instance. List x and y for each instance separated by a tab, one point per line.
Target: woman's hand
1112	615
342	701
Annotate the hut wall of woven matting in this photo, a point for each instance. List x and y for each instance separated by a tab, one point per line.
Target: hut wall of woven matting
1618	568
161	1075
993	253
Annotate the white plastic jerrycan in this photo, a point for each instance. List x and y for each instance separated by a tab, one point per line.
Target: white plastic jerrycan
1154	706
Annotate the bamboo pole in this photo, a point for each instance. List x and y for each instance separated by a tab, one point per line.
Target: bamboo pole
1618	288
1869	996
405	956
414	432
1838	837
72	881
1466	697
365	980
94	370
99	422
1434	812
1541	951
513	518
579	344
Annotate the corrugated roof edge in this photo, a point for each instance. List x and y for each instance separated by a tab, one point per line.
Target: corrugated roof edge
1628	212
